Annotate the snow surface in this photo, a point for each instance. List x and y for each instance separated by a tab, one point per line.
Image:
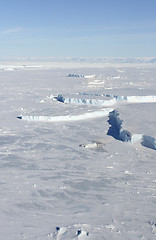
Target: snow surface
77	179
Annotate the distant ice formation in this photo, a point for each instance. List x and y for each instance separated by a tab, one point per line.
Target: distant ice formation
97	102
114	99
17	67
80	75
75	75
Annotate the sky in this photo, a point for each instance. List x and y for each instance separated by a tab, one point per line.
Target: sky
78	28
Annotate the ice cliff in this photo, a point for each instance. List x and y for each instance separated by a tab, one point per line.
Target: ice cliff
97	102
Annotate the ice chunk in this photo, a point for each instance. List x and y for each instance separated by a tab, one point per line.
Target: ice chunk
149	142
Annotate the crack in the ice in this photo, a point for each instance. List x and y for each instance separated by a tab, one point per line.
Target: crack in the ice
114	129
124	135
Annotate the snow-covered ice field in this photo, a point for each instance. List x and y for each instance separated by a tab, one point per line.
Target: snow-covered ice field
83	167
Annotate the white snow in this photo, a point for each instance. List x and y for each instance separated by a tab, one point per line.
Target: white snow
63	179
89	76
141	99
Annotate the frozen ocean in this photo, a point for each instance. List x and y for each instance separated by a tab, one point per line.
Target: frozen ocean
78	151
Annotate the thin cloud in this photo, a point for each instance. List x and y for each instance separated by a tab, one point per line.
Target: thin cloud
11	31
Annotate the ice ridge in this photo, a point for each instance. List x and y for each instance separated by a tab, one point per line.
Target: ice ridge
67	118
97	102
114	99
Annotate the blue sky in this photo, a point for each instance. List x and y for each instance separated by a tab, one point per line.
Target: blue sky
87	28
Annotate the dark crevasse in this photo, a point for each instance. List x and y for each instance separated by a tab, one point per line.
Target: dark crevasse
116	131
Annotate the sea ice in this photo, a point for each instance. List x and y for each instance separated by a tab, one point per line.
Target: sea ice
50	188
